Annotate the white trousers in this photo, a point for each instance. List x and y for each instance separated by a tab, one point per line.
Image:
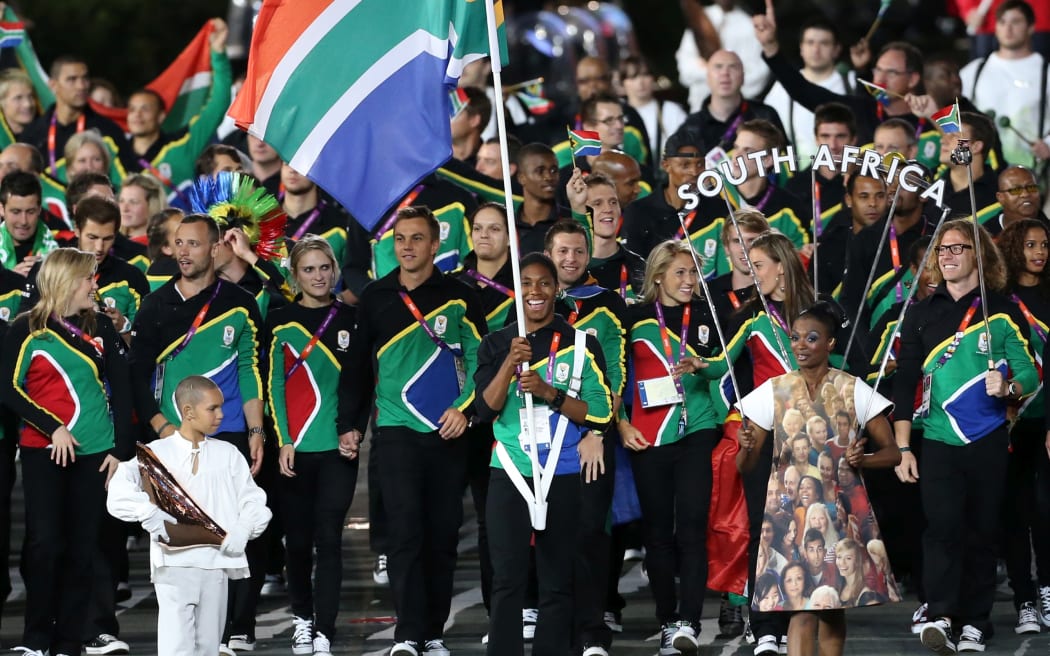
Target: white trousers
191	610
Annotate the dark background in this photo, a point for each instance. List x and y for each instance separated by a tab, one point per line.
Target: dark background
129	42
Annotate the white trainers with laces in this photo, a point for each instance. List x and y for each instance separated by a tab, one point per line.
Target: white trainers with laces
919	619
1027	619
529	617
379	574
937	636
302	636
322	645
971	639
435	647
1044	604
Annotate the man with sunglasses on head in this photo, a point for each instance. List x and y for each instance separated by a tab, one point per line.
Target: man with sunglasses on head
1019	196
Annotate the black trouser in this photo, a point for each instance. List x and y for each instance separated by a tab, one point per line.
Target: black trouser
112	546
593	550
64	507
674	489
479	440
756	483
377	518
962	494
1025	507
244	593
510	531
422	478
314	504
8	446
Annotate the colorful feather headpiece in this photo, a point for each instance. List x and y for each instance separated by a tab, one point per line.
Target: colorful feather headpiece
233	200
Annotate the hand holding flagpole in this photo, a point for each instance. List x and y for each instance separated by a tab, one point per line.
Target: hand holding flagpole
878	19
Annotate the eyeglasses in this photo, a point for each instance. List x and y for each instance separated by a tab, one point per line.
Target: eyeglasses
889	72
954	249
612	120
1021	189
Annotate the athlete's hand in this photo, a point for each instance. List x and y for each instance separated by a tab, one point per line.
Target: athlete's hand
63	446
908	470
109	465
286	460
631	437
453	423
255	450
592	457
766	30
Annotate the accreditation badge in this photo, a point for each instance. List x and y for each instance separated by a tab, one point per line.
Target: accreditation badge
656	392
923	411
541	428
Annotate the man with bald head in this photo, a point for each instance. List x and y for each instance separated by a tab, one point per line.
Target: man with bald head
1019	195
622	170
726	108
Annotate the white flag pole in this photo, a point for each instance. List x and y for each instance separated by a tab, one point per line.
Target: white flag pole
538	511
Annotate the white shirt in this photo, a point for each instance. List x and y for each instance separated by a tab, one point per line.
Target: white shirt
669	116
1010	87
798	121
758	405
737	33
223	487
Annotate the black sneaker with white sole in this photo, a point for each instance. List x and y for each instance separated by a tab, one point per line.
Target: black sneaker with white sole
937	636
106	644
970	639
1027	619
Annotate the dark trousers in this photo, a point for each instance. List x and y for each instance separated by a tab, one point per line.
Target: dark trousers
64	507
756	483
422	478
314	504
962	494
674	490
8	446
377	517
510	531
479	440
112	547
593	550
1025	507
243	598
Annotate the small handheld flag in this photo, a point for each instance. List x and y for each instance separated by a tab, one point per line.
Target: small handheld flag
584	143
878	93
536	104
459	101
883	6
947	118
12	33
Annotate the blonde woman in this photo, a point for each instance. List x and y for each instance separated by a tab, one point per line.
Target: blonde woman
18	103
86	152
63	370
141	197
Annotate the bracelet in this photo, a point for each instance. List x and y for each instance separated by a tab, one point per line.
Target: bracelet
904	449
163	426
256	430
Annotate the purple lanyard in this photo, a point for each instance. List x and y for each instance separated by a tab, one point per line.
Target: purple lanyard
777	319
765	197
1029	317
405	202
305	353
482	278
309	221
77	332
730	132
197	321
440	343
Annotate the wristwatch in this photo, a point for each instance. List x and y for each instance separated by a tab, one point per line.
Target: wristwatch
256	430
1012	391
558	400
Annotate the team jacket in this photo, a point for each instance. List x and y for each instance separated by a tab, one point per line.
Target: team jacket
498	305
53	378
413	379
330	221
1033	300
960	410
600	313
594	390
648	359
11	289
301	393
133	252
649	221
160	271
225	348
623	273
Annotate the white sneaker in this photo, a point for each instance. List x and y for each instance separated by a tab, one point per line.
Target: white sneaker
971	639
224	650
435	647
595	650
1027	619
322	646
633	554
485	639
302	636
529	616
766	644
26	651
667	633
273	586
684	638
406	648
937	636
241	642
1044	604
105	643
379	574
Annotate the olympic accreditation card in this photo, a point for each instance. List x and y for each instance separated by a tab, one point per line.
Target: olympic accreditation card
541	427
656	392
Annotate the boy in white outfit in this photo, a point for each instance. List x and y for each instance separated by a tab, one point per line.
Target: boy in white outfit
191	582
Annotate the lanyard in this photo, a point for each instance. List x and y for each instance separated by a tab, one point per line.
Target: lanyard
734	299
623	281
440	343
683	234
1029	317
895	255
816	209
313	340
197	321
52	131
405	202
77	332
918	127
666	339
310	220
155	172
765	197
777	319
485	280
552	356
575	313
730	133
959	333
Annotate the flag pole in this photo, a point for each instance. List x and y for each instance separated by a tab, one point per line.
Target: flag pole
816	227
538	510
